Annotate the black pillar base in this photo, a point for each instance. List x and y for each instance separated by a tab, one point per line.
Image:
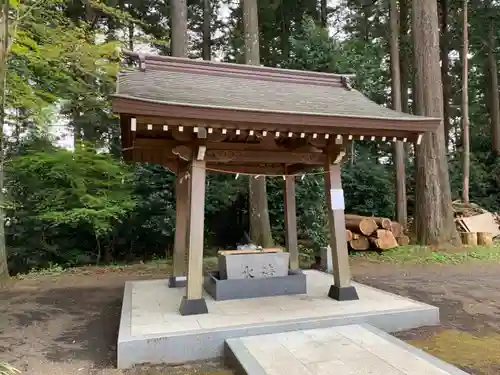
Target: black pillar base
347	293
177	281
193	306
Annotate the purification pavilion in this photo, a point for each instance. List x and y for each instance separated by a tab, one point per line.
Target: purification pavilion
192	116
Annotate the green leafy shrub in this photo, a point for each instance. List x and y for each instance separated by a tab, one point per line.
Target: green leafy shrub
59	197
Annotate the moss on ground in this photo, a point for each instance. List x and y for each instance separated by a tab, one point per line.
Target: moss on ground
421	254
465	350
209	367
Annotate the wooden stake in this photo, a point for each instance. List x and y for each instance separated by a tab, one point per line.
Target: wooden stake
484	238
181	223
193	302
336	224
469	238
291	222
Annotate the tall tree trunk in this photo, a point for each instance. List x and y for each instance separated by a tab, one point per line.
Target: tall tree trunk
434	224
285	37
179	40
445	67
494	105
416	95
4	51
324	13
399	151
131	28
130	42
207	30
404	63
465	108
85	129
260	226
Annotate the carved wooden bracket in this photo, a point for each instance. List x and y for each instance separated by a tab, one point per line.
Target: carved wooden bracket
339	157
184	152
336	155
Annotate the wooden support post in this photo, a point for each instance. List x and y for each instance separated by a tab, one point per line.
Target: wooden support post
342	290
291	222
193	302
179	278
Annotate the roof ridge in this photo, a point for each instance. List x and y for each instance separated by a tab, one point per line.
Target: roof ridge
164	61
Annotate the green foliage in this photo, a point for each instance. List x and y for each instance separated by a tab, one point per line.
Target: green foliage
312	49
48	59
484	179
6	369
311	213
369	188
57	193
74	188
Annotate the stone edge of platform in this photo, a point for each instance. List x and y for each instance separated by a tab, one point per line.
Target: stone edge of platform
452	370
124	332
238	358
209	343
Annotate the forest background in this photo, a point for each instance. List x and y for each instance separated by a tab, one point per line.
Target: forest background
81	204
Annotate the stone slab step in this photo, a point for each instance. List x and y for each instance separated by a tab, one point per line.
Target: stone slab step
343	350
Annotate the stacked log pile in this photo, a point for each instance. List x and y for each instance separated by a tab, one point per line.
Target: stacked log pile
476	225
379	233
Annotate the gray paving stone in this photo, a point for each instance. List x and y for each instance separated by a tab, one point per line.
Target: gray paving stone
345	350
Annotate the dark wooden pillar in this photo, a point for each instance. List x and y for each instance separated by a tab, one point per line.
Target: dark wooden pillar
193	302
341	290
179	278
291	222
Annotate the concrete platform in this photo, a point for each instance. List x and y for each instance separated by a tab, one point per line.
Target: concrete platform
153	331
346	350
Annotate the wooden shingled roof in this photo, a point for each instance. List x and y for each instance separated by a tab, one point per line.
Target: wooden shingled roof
223	95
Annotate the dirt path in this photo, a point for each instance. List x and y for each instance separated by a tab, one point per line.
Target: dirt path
468	297
68	324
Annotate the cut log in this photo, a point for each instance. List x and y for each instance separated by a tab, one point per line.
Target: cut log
396	229
356	236
403	240
484	238
383	222
469	238
348	235
360	243
384	239
360	224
